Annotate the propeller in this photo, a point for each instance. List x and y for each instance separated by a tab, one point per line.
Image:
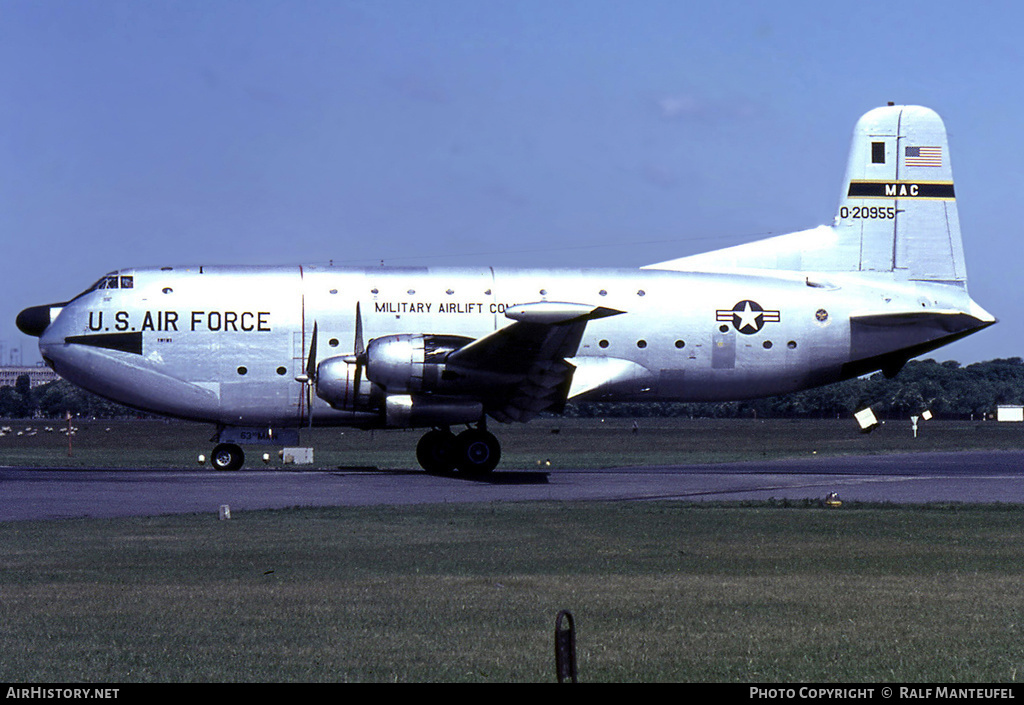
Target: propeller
308	377
310	374
358	356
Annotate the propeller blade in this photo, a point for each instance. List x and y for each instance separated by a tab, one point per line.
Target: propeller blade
309	403
359	350
355	387
359	353
311	358
311	373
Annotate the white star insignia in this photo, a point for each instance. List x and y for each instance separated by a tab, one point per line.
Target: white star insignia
747	317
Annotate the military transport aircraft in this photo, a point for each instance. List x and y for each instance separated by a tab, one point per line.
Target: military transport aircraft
262	351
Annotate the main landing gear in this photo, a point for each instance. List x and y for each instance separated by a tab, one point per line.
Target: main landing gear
227	456
474	452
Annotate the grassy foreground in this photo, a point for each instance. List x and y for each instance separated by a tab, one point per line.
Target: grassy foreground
659	591
565	443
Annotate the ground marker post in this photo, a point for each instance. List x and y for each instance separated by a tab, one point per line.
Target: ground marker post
565	647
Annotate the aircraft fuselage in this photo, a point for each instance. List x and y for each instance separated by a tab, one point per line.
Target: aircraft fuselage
226	344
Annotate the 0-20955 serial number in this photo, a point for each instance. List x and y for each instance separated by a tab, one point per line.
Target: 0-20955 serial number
868	212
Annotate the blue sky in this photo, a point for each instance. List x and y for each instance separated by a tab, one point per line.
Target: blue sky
478	132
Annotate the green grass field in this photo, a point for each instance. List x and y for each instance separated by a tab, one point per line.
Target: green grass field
659	591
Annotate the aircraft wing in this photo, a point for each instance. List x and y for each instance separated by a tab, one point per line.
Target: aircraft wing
528	358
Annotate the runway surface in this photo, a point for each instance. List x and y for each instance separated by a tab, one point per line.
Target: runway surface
968	477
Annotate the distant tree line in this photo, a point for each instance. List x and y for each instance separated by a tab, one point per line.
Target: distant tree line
947	389
55	400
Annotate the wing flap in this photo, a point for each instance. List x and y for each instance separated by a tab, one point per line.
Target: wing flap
543	331
530	356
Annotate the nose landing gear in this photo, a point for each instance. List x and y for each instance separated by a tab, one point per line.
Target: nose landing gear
474	452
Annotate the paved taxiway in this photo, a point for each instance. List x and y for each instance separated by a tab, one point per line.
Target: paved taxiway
921	477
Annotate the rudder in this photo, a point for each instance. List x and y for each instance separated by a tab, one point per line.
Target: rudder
898	206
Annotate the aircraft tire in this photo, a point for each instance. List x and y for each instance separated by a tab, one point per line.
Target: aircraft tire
477	452
227	457
436	452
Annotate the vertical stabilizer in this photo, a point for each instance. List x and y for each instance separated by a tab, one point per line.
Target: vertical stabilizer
898	202
897	211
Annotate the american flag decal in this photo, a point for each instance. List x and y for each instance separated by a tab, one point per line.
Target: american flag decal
923	156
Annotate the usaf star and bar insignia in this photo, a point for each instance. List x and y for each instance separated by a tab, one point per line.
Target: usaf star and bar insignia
747	317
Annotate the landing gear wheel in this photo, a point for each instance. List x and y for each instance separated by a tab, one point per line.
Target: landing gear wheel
436	452
477	452
227	456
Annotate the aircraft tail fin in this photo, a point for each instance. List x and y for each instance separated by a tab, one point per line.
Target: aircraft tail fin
899	201
897	211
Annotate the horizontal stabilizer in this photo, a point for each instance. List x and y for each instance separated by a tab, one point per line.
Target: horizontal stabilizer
885	341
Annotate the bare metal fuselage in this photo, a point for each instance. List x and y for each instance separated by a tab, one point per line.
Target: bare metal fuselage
226	344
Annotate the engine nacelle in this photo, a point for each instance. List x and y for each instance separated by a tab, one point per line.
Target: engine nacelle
336	384
410	364
405	411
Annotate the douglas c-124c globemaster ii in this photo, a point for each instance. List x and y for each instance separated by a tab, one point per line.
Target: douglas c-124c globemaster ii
262	351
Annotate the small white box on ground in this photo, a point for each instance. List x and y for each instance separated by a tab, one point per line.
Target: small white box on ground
866	419
1010	413
298	456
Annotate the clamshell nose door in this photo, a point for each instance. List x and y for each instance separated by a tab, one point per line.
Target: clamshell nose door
36	319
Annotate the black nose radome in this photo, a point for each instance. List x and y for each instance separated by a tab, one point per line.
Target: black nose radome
35	320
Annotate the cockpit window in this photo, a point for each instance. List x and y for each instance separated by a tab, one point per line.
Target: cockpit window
110	281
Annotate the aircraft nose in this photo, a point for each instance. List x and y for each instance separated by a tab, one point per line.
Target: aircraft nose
35	319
